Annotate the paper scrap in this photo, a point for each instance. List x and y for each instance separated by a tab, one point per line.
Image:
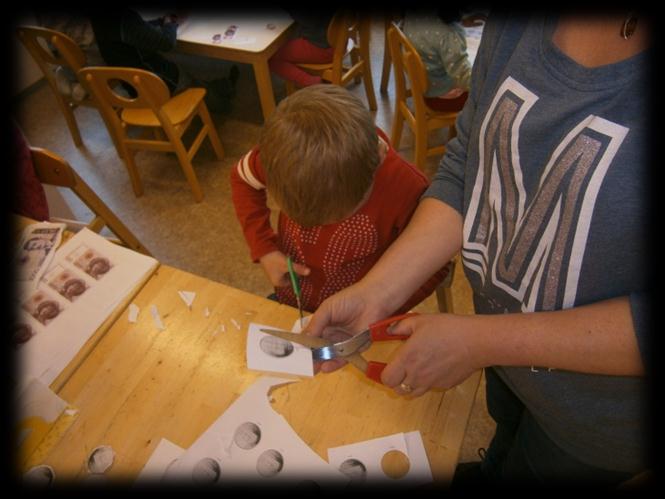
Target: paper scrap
157	319
236	324
187	297
206	312
133	312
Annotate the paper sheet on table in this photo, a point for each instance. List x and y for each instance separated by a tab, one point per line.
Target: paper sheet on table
250	441
159	464
362	460
38	408
88	278
271	354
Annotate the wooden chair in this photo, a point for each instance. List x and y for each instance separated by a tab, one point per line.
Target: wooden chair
422	120
349	35
388	17
41	42
53	170
151	111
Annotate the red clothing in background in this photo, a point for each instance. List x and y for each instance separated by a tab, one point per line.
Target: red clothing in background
338	254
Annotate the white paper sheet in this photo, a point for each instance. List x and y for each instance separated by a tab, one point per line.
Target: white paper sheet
362	460
88	278
160	463
271	354
251	442
38	400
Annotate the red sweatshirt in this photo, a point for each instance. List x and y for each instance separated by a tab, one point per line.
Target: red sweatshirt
337	254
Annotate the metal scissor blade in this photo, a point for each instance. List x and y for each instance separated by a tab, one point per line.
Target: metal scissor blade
342	349
313	342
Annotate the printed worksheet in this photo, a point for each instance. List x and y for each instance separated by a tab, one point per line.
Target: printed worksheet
88	277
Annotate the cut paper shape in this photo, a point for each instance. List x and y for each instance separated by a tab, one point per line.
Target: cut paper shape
100	459
156	318
206	312
133	313
41	475
160	464
250	441
187	297
362	461
271	354
236	324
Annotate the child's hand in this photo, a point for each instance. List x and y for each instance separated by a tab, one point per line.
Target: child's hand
275	266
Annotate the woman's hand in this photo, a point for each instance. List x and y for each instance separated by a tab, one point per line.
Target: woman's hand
440	353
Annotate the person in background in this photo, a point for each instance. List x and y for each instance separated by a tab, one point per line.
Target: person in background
343	192
439	38
309	45
546	191
125	39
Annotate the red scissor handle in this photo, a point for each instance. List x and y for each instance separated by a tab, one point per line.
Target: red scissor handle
379	330
374	370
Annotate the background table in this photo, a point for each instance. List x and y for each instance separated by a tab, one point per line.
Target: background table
140	385
257	37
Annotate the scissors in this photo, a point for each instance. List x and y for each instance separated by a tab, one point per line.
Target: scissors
296	286
349	349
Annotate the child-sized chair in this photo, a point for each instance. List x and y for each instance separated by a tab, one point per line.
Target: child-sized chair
152	110
348	34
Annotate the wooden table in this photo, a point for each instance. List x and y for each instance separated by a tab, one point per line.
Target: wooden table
139	385
257	37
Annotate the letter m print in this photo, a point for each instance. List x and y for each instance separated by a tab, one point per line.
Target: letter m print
532	246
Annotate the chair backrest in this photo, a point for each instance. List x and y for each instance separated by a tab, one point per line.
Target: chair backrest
39	42
413	72
51	169
343	26
151	91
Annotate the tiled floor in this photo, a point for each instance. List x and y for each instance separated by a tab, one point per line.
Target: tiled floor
204	238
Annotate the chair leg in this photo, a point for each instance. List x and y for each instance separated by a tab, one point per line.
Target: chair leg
212	131
369	86
421	147
128	157
68	112
187	168
398	123
387	61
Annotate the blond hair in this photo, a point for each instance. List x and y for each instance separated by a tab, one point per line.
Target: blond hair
319	149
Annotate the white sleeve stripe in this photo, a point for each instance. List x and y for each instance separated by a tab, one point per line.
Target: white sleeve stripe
246	174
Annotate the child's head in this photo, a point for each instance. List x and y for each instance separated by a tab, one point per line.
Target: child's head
319	149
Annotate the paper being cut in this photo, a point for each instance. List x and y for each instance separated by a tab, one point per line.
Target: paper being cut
271	354
251	441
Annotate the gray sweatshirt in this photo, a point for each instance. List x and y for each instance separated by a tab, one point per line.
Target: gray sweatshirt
550	170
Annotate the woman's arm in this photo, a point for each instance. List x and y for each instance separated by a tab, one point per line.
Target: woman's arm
445	349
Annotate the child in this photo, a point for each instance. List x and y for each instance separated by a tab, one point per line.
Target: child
309	45
344	194
440	40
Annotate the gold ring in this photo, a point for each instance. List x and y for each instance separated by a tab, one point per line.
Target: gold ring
405	387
